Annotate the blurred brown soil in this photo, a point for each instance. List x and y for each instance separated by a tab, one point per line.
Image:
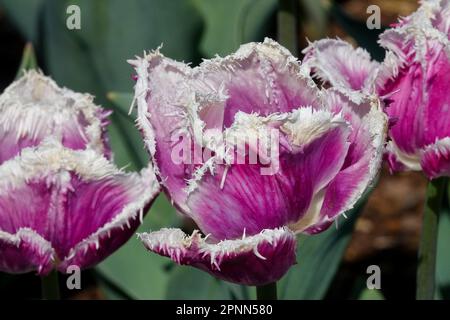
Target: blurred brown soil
390	9
392	217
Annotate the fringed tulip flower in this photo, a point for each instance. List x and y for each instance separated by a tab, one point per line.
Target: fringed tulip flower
414	81
250	149
34	107
418	84
62	201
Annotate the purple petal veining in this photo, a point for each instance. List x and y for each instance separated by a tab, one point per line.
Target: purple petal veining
413	81
62	200
34	107
61	207
329	151
254	260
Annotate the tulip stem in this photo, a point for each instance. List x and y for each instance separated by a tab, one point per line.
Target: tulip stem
428	243
267	292
50	286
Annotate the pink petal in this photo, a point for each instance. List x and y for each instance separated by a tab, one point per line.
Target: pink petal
417	80
25	251
176	100
78	201
261	78
394	164
407	95
362	162
161	93
34	107
347	69
437	112
441	12
248	201
254	260
436	159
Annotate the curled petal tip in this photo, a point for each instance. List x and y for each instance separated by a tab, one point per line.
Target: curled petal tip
34	108
415	77
347	69
436	159
255	260
93	207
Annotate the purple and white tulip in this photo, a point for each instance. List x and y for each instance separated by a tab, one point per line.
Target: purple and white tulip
328	150
62	201
413	79
418	85
34	107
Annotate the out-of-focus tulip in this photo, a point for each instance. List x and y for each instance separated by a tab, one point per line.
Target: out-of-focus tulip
62	201
254	152
34	107
413	79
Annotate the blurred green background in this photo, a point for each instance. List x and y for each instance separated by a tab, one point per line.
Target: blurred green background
93	60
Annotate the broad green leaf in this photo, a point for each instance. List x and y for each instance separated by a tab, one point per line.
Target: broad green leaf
148	25
318	258
368	294
142	274
240	292
25	15
231	23
122	103
443	255
193	284
316	16
93	59
109	293
125	138
28	60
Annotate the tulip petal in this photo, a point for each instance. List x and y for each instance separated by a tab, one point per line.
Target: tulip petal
34	107
254	260
436	115
262	78
161	92
416	82
251	201
436	159
76	200
441	15
420	125
175	100
361	165
405	92
391	158
25	251
118	205
400	158
347	69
